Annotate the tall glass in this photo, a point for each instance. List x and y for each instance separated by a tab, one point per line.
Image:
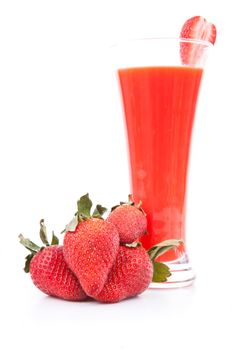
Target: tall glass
159	81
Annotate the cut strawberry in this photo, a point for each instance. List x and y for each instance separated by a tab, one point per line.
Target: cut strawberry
196	28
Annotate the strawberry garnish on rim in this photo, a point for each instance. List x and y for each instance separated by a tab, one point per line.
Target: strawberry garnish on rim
196	28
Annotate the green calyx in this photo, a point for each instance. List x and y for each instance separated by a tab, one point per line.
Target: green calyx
34	248
130	202
132	245
161	271
84	209
84	206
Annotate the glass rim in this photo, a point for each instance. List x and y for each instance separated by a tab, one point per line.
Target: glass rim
154	39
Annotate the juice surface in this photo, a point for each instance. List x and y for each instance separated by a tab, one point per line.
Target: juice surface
159	104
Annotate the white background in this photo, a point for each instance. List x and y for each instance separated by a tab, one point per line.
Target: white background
61	135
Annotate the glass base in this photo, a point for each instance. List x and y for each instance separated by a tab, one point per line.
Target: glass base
182	275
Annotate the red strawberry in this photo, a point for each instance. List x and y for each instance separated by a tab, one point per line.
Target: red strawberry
90	250
196	28
133	271
131	275
49	271
130	221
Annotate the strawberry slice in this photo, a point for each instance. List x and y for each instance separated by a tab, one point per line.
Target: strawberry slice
196	28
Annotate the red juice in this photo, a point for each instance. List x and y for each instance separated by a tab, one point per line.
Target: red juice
159	105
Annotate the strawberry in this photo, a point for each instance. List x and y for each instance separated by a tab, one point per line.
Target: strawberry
130	221
134	269
196	28
48	269
131	275
90	246
199	29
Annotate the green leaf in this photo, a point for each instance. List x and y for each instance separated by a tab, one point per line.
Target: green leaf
55	240
43	233
163	247
133	245
130	202
28	261
161	272
99	211
32	247
84	207
115	206
71	226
